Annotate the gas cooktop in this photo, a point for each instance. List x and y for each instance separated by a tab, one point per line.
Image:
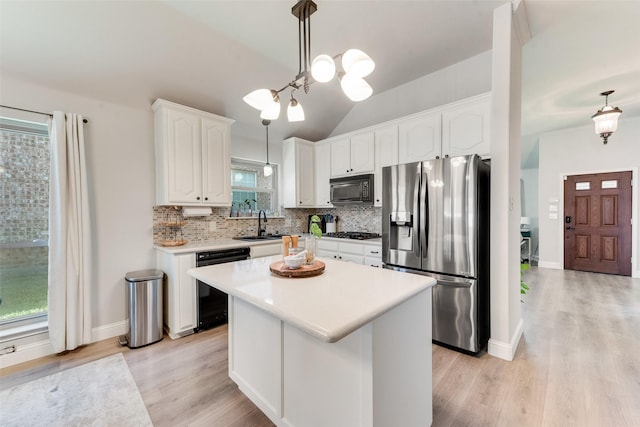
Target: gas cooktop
357	235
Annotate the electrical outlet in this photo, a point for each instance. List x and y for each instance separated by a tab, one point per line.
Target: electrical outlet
212	226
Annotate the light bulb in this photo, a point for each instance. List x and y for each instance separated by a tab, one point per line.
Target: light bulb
295	113
260	98
271	112
357	63
323	68
355	88
268	170
606	120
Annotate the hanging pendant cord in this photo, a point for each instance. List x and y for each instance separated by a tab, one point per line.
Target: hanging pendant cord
35	112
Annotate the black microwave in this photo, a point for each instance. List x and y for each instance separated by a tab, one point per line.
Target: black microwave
352	190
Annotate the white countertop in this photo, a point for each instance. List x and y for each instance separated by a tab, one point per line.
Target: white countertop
345	297
217	244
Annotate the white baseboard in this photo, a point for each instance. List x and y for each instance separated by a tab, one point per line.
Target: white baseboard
26	352
35	350
109	331
547	264
505	350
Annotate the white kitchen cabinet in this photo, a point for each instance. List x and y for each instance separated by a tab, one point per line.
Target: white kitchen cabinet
298	176
456	129
360	253
322	163
386	154
466	128
353	154
419	138
193	156
266	250
180	294
373	255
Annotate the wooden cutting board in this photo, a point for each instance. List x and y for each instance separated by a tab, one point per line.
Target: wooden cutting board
278	268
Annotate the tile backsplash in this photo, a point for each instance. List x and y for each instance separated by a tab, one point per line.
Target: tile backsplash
218	225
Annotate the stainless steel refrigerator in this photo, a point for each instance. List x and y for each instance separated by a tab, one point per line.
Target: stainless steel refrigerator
435	221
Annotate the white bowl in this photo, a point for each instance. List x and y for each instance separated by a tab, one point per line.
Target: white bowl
293	262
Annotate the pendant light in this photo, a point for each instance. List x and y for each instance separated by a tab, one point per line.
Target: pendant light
354	65
268	169
606	118
295	113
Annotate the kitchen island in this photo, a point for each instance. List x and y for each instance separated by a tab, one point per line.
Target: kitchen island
350	347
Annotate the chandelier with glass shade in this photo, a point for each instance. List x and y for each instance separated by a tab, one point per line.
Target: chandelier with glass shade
350	66
606	118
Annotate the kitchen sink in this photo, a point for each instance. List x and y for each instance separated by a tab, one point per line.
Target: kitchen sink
259	238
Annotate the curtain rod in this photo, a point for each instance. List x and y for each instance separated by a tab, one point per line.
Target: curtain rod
36	112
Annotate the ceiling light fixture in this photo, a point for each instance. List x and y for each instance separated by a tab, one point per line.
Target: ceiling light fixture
354	65
606	119
268	169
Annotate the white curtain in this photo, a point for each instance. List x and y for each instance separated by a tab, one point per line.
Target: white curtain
69	236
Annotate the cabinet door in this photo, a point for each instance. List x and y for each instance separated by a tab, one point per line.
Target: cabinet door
362	153
305	174
386	154
187	311
419	138
216	158
322	163
340	157
184	171
466	128
357	259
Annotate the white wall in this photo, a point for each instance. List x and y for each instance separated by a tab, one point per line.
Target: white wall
120	162
462	80
121	172
506	322
577	151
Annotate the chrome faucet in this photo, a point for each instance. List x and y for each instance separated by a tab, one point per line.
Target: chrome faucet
261	230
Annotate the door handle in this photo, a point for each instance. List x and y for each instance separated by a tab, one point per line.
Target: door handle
568	227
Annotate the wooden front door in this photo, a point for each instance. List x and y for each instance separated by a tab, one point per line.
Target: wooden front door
597	223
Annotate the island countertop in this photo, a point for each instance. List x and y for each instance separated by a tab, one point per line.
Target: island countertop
345	297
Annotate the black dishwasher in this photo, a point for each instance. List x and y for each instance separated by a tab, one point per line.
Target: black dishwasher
212	303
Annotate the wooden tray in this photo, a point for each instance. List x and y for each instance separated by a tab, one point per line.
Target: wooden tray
170	243
278	268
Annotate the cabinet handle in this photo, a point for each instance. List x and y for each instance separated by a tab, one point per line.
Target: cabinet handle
351	170
374	252
347	170
206	198
197	198
300	202
328	202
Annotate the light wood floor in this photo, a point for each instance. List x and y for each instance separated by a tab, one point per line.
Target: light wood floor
578	364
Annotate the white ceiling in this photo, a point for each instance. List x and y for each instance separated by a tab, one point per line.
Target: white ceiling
208	54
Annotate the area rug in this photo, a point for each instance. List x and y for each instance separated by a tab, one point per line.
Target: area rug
100	393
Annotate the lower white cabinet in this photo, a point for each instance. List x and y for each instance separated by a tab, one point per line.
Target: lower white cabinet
266	250
359	253
180	294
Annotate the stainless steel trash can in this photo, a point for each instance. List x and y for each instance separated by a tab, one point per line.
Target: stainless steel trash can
144	305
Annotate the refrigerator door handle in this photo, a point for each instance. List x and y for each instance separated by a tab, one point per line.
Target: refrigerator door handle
423	209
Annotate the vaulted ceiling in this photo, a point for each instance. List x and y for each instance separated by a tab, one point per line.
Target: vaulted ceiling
209	54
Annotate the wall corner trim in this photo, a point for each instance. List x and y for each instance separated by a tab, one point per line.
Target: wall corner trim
503	350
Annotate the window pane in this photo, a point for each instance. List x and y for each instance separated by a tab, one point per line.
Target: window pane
243	178
24	210
249	183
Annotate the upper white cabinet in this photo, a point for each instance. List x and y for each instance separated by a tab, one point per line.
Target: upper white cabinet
353	154
386	154
298	183
193	156
419	138
322	163
457	129
465	128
